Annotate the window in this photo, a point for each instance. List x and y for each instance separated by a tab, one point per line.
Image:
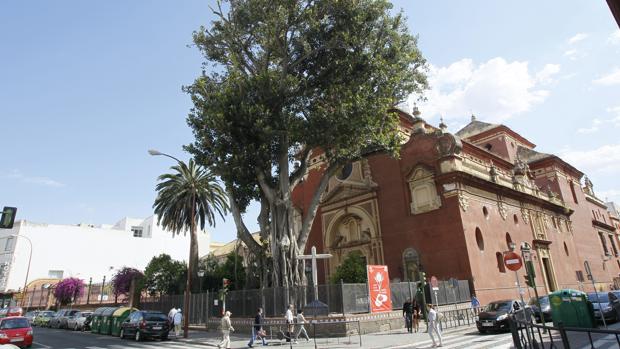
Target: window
488	146
613	245
508	240
479	239
515	219
572	190
500	262
137	232
9	243
485	211
345	172
55	274
565	249
604	243
579	274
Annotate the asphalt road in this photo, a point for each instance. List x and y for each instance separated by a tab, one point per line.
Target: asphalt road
46	338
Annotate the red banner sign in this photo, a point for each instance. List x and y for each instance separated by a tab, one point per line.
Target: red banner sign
379	288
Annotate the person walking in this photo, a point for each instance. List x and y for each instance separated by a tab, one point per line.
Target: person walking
290	323
433	325
177	320
417	314
226	328
475	304
171	315
301	320
408	314
257	328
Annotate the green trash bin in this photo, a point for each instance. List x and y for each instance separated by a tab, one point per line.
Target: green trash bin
95	322
571	308
106	320
120	315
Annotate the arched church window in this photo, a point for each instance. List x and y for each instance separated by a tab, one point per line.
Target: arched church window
345	172
411	261
424	196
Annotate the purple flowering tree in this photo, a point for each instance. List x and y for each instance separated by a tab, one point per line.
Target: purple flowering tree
68	290
121	282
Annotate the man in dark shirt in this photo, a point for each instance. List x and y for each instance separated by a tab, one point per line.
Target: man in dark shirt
408	315
257	328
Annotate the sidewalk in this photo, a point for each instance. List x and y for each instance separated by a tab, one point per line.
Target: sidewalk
392	339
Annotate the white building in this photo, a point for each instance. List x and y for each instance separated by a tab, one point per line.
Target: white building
85	251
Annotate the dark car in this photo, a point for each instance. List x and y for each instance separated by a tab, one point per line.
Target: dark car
495	315
544	304
145	324
607	303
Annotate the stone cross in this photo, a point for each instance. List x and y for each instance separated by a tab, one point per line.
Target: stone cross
313	256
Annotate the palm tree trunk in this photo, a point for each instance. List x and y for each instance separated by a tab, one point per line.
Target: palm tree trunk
193	258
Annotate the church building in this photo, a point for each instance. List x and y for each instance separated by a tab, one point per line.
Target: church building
452	204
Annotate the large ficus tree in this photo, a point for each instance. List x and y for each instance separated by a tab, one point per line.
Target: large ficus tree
283	79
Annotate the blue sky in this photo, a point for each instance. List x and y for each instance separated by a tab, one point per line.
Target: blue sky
87	87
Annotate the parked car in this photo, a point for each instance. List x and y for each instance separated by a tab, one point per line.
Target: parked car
31	315
146	324
61	318
607	303
42	319
495	316
16	330
544	304
11	311
76	321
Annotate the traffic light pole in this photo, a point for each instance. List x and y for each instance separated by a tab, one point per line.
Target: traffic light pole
531	276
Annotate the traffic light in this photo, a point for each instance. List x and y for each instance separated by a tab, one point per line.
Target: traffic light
8	217
422	279
529	281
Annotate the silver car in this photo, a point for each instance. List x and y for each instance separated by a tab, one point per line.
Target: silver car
76	321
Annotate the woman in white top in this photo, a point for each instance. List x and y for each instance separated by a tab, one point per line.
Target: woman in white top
433	325
301	320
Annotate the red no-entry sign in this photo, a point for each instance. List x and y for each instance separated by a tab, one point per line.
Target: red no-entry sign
512	261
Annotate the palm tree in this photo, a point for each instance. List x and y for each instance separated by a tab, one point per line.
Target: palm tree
187	196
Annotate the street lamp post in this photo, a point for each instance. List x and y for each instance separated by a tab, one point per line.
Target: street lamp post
190	266
29	258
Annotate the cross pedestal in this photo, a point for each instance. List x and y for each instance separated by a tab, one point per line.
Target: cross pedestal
316	307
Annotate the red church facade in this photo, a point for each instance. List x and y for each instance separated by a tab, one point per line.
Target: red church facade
451	204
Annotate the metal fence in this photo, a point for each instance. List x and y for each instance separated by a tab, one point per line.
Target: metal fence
528	335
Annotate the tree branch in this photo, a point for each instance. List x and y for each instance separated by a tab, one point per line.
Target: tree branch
265	187
242	231
298	174
314	205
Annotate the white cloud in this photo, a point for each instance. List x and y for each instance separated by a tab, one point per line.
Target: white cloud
614	38
596	123
578	37
545	75
496	90
605	159
612	78
572	54
45	181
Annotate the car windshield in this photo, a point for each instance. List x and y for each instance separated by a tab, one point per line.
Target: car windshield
85	314
542	300
502	306
9	324
48	315
602	298
155	317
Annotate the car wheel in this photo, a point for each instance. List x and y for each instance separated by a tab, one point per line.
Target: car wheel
138	337
164	337
482	331
122	334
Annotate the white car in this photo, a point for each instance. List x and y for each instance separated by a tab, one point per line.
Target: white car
76	322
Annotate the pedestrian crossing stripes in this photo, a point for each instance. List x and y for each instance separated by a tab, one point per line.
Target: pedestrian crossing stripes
465	340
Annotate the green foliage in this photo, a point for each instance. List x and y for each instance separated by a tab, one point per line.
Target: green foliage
283	77
188	197
215	272
352	269
163	275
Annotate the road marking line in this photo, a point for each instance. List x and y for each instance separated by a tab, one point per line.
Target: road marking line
43	345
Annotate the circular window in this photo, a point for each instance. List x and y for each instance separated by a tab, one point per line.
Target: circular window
515	219
345	172
565	249
508	240
485	211
479	239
